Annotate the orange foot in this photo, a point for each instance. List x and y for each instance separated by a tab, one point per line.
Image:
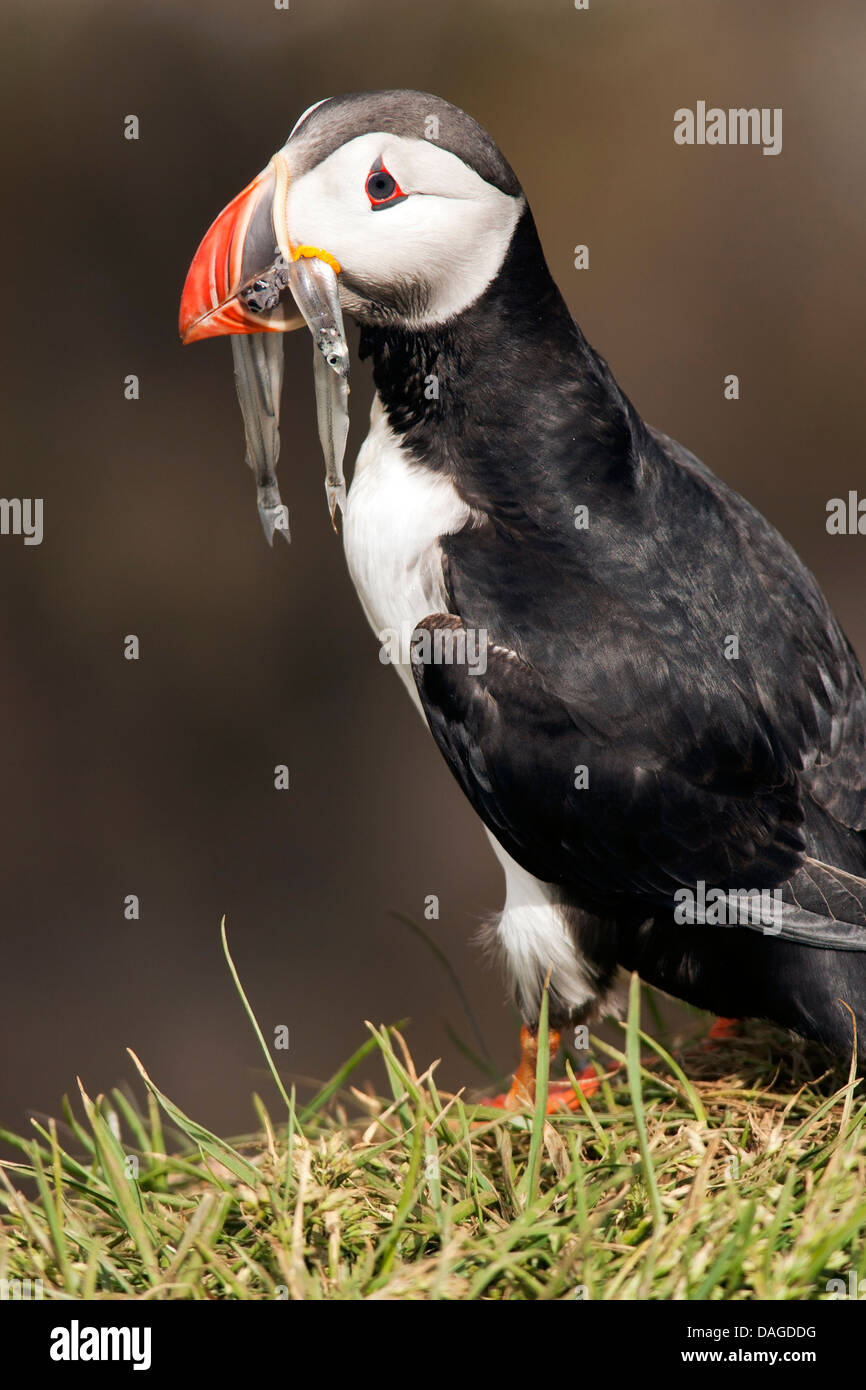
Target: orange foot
560	1094
722	1031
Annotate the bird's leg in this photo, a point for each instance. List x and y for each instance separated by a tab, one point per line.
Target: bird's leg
522	1089
560	1094
521	1093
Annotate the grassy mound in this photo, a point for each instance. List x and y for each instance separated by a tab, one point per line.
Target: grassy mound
736	1173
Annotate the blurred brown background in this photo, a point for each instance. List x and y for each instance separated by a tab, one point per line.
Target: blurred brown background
156	777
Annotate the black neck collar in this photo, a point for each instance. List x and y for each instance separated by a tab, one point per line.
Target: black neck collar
510	388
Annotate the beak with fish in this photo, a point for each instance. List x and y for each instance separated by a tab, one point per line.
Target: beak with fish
238	284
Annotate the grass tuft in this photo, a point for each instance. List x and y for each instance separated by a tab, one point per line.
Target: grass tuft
727	1174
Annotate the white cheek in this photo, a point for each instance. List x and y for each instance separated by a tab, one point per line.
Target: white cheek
460	246
337	219
453	246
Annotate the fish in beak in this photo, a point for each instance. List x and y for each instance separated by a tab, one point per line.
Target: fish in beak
248	279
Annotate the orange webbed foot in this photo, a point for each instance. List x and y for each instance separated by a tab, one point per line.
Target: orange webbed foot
723	1030
561	1095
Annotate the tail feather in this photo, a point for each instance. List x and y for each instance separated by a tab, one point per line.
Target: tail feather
819	906
824	906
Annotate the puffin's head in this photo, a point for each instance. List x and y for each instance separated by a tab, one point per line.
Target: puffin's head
402	193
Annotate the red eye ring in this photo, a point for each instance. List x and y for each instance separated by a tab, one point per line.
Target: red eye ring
382	188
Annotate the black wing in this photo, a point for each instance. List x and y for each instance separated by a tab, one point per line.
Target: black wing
621	829
803	673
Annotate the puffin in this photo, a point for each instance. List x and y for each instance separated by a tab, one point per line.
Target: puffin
633	678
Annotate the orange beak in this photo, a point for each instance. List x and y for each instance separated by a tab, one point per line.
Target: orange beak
241	245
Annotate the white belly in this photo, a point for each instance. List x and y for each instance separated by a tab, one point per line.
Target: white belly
396	512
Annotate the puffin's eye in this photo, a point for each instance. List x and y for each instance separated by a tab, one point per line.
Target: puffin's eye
382	188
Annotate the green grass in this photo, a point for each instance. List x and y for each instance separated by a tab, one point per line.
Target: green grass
736	1173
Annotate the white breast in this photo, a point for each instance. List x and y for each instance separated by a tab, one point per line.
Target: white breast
396	512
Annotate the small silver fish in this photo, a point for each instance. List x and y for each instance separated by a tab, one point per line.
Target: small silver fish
332	412
313	284
258	362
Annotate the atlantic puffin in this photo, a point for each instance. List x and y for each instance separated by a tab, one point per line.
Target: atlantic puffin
664	727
